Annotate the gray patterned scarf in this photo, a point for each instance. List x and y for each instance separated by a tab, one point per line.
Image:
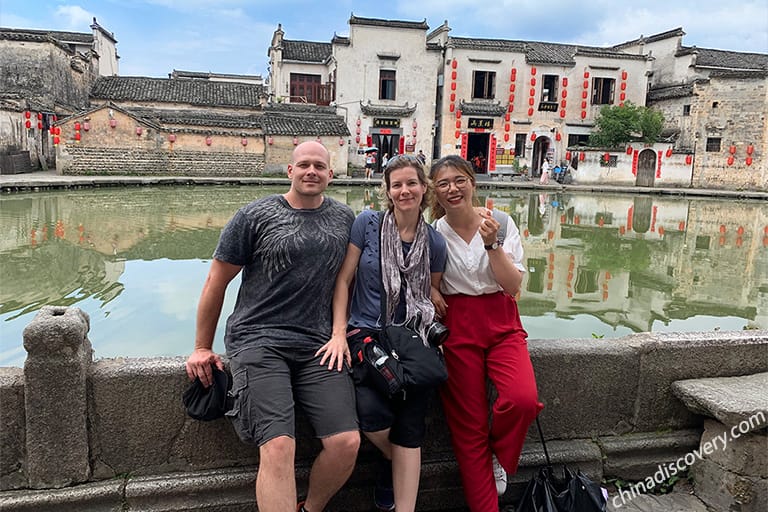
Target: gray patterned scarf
414	268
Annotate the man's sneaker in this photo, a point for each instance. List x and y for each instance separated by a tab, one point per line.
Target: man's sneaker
383	493
500	476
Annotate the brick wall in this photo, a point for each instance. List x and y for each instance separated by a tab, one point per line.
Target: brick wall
141	161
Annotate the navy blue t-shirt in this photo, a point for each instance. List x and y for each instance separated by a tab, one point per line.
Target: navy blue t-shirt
365	308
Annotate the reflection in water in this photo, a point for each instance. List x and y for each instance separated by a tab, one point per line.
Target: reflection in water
606	265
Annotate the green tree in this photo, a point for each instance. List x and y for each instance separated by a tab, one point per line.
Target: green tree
617	125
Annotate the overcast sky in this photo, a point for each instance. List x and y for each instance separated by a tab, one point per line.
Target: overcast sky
232	36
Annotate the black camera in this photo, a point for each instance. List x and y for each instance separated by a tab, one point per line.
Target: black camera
437	333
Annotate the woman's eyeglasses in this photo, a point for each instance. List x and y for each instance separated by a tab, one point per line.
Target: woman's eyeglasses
445	185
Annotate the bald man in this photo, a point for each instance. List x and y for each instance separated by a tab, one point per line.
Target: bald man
289	248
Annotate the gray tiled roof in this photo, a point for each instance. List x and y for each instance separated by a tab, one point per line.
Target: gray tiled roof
198	118
376	22
306	51
482	109
670	92
301	108
21	34
387	110
726	59
279	123
540	52
194	92
344	40
675	32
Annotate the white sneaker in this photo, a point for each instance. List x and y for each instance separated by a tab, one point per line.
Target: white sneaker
500	476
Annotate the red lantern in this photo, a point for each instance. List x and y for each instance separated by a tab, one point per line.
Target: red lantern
341	141
533	136
56	141
623	74
86	126
558	137
732	149
357	139
457	134
458	123
55	118
568	155
607	157
453	96
209	140
454	63
586	74
77	136
453	86
722	228
138	131
39	125
623	86
172	138
512	152
369	140
414	124
531	101
112	123
452	107
458	114
562	113
413	134
244	141
530	111
506	118
622	97
39	116
270	140
750	149
506	137
748	161
586	84
584	95
730	160
533	70
533	81
564	94
296	140
669	152
28	124
688	159
77	126
506	126
532	92
512	98
740	230
453	75
565	81
563	103
582	156
27	114
510	108
583	114
629	150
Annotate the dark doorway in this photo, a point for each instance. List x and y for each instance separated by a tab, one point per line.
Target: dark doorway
540	150
477	151
388	144
646	168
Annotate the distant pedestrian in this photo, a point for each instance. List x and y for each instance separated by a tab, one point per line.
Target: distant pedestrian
370	162
544	179
422	157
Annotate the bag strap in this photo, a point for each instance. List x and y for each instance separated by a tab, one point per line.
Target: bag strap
501	218
383	299
543	443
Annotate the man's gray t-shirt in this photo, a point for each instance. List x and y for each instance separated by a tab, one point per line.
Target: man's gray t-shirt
290	259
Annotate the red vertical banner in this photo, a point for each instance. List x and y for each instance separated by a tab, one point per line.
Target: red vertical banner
658	165
653	218
401	146
629	217
464	138
634	162
492	153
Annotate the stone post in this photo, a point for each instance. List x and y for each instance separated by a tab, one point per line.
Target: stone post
55	397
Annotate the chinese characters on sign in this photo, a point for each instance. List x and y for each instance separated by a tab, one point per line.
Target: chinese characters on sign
380	122
476	122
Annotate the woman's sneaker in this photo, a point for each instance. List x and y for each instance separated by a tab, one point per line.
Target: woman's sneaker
499	475
383	493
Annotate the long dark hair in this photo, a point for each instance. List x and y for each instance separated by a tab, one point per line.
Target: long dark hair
461	165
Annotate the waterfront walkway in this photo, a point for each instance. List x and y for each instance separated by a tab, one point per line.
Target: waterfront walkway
43	180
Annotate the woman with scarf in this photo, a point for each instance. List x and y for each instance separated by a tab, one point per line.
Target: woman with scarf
411	256
487	341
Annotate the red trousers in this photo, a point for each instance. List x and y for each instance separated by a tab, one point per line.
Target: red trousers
487	340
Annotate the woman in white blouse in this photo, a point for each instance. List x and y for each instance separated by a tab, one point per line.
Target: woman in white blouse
477	303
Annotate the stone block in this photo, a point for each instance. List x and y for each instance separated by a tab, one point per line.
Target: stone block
665	358
746	454
576	404
724	490
92	497
635	457
734	401
12	432
55	397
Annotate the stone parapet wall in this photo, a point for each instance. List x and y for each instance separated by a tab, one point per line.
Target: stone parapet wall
141	161
609	410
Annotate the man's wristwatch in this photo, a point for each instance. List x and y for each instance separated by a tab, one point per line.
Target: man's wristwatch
492	247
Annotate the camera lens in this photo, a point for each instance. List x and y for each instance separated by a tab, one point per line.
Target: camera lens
437	333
